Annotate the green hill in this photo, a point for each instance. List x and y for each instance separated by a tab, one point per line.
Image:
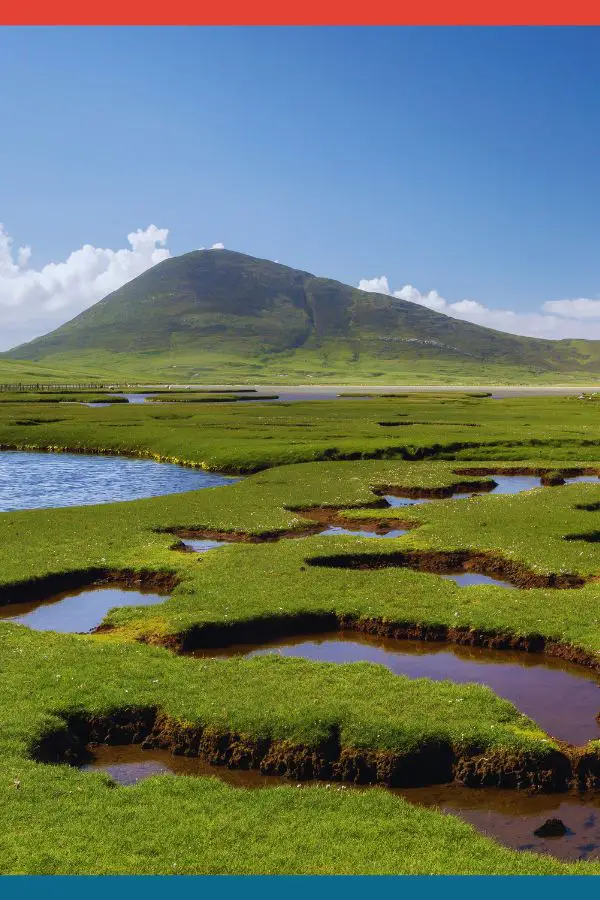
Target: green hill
216	315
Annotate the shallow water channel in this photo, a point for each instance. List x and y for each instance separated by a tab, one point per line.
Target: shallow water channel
511	817
36	480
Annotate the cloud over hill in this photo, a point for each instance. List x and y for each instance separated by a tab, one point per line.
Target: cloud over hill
578	318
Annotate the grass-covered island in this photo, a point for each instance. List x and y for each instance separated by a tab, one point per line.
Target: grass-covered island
344	734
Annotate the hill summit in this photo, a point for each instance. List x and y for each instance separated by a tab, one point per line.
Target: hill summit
221	314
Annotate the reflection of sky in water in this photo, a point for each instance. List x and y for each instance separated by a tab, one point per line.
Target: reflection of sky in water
335	530
39	480
202	545
75	611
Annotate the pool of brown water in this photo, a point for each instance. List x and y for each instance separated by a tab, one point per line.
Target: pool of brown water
561	697
510	817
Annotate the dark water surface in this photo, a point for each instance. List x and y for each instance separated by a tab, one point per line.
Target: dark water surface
36	480
510	817
562	698
583	479
76	612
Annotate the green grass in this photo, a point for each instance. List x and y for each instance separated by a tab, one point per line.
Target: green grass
57	397
191	396
155	826
249	436
306	366
167	825
14	371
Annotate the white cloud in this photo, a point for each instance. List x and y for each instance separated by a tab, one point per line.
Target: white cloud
578	318
581	308
375	285
34	301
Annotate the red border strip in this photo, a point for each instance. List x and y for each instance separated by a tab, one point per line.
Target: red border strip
299	12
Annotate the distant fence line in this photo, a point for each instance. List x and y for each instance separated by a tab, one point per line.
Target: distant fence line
53	388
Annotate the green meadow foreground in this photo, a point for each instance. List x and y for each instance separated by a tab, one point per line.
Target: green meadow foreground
312	464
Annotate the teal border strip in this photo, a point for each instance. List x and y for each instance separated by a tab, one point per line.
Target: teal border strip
281	887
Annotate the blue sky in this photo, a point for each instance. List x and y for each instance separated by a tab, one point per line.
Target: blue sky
462	161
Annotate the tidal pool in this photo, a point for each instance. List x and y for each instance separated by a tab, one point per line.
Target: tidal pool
468	579
135	398
562	698
505	484
37	480
510	817
203	545
76	612
513	817
335	530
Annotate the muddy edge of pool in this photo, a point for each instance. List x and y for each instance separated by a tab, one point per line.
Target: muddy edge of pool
510	817
435	762
51	587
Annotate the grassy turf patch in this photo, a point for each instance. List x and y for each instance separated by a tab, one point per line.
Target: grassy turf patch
182	826
300	713
251	436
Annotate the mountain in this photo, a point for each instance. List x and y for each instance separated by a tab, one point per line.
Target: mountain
224	315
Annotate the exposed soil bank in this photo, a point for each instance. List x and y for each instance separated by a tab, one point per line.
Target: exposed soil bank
401	452
433	424
238	537
436	762
436	493
452	562
510	817
324	517
212	635
328	516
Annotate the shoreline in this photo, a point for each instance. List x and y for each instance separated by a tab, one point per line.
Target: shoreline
318	389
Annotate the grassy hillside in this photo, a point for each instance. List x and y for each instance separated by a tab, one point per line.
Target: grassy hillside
220	315
63	372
